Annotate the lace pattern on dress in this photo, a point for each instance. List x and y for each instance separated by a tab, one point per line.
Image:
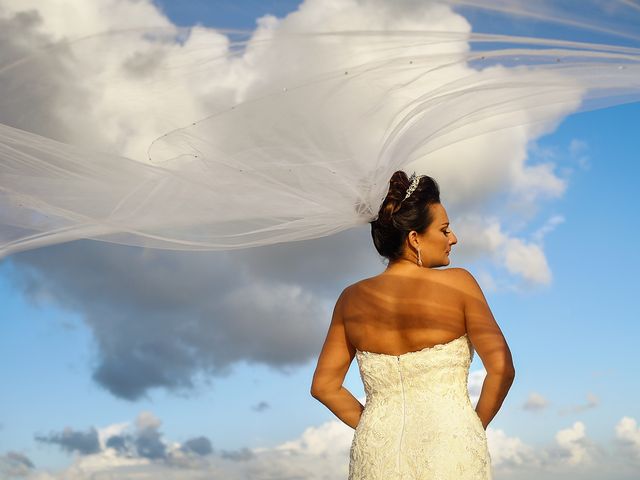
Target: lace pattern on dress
418	421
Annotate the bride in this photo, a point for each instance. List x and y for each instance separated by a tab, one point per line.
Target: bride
295	133
413	330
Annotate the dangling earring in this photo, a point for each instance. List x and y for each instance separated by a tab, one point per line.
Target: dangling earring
419	262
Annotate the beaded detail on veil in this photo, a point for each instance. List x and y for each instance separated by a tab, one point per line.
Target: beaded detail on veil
199	138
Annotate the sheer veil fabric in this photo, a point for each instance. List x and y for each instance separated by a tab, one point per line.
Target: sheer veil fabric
211	139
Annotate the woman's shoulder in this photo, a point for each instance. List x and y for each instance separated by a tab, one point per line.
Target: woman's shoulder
463	276
453	274
457	272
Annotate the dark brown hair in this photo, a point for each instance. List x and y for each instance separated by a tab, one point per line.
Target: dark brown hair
395	219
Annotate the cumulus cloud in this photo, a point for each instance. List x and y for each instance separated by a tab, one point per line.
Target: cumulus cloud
15	465
261	406
510	453
571	454
159	318
628	435
199	445
535	402
550	225
145	442
579	151
569	158
474	385
574	446
70	440
321	452
140	450
140	441
525	259
592	402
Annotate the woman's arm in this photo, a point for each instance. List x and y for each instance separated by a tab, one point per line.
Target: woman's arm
491	346
343	404
494	391
333	364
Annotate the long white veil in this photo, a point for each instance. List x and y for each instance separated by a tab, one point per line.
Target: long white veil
213	139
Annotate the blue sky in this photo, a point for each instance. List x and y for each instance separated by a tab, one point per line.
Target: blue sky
573	338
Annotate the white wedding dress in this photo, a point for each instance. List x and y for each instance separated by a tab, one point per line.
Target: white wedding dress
418	421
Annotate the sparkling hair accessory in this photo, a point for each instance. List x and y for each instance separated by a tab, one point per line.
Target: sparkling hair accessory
414	184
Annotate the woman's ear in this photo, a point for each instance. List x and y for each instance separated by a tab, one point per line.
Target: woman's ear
413	239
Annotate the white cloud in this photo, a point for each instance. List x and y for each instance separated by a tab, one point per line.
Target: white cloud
147	420
476	379
574	445
569	158
485	235
330	438
15	465
578	149
75	18
535	402
109	431
124	114
628	434
509	452
322	452
592	402
527	260
548	227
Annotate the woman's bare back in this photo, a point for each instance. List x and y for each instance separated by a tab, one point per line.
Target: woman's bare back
398	313
410	310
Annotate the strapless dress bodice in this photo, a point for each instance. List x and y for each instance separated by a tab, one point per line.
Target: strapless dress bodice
418	421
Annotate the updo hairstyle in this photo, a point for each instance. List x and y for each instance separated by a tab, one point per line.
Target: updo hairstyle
395	220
